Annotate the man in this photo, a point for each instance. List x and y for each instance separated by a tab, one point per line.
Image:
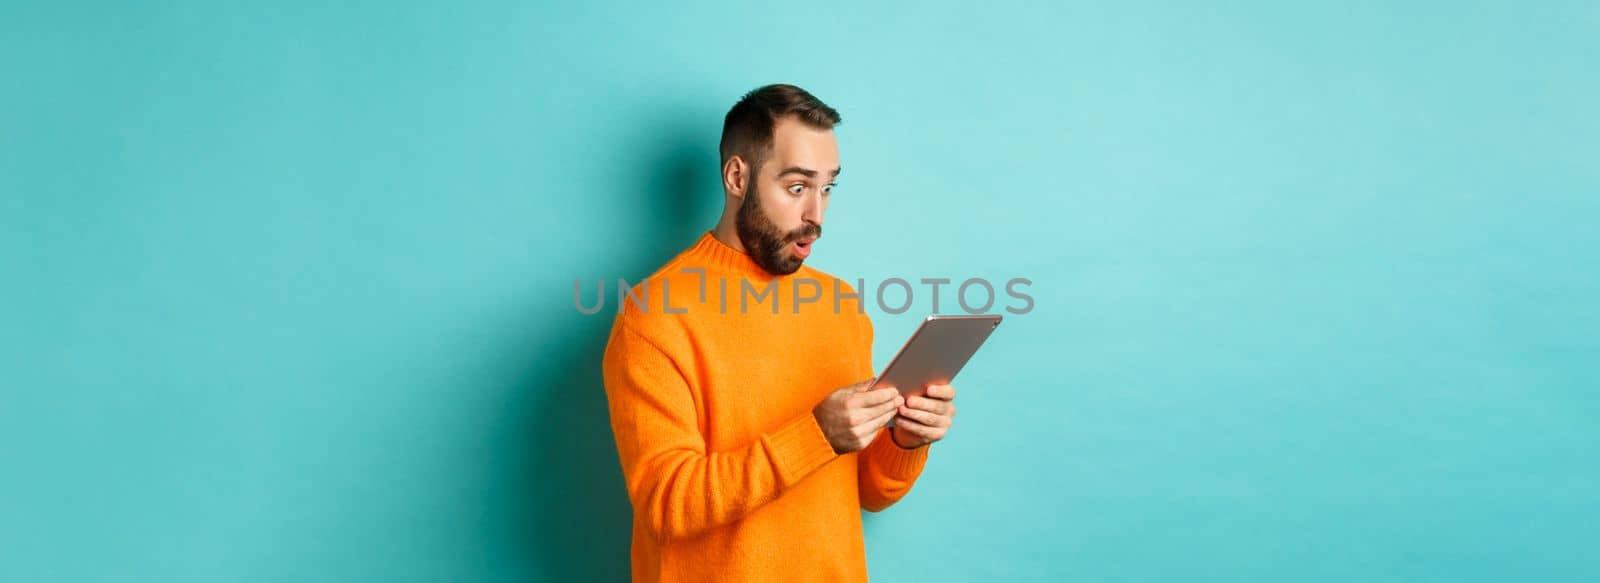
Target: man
747	438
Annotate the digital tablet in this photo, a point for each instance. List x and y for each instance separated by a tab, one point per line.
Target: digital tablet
936	352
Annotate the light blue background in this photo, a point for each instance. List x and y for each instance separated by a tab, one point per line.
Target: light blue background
287	286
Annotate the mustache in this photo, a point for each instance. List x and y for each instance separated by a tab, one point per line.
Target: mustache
807	230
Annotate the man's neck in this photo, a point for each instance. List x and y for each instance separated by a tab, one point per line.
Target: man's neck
728	234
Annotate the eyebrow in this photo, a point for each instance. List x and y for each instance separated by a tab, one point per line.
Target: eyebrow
807	172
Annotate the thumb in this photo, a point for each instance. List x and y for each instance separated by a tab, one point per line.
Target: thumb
863	386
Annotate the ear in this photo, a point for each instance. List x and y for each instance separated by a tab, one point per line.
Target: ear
735	174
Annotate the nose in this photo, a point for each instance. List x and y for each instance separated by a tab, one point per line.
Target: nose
813	210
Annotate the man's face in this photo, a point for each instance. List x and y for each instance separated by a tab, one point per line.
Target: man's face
781	215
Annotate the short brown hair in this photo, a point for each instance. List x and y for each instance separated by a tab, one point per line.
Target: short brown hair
747	130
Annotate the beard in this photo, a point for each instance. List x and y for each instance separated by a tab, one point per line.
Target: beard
766	243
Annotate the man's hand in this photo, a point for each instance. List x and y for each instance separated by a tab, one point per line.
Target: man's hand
924	420
851	416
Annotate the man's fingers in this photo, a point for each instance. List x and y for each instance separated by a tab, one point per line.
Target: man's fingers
934	406
916	428
924	417
863	414
885	418
889	406
879	421
874	397
942	392
925	432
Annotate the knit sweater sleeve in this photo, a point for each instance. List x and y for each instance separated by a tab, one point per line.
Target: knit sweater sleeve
679	488
887	471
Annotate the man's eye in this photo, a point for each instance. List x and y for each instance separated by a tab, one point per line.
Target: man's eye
797	189
828	189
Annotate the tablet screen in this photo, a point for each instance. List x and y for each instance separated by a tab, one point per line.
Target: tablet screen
938	350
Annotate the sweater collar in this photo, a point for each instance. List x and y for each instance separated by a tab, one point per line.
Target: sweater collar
718	254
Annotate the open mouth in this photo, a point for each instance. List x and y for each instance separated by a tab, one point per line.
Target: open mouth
802	247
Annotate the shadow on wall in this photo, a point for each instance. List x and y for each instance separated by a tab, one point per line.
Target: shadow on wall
567	487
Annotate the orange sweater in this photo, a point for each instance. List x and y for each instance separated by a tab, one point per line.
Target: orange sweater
729	474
